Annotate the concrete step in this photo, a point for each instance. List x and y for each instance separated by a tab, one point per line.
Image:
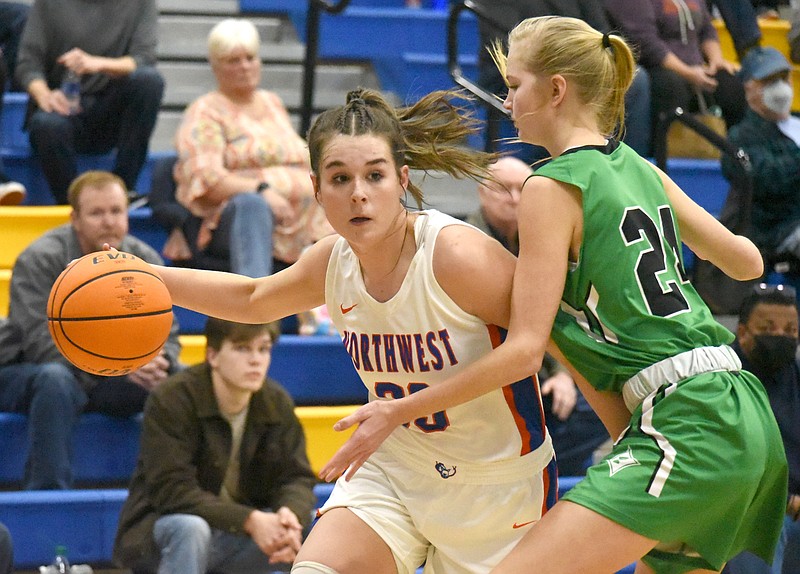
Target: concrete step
185	35
164	133
186	81
219	7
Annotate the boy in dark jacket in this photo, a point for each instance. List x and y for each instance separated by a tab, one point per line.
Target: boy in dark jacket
223	482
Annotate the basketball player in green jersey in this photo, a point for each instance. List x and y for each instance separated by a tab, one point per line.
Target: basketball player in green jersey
697	473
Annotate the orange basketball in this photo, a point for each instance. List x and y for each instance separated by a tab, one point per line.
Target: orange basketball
109	313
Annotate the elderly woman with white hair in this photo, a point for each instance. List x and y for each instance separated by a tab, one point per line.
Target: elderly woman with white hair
236	145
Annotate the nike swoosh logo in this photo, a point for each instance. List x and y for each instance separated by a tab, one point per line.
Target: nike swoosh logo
523	524
346	310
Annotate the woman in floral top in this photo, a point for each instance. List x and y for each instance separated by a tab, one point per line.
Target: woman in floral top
239	139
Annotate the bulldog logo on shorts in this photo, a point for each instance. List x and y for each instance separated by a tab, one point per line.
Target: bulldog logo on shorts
624	460
444	471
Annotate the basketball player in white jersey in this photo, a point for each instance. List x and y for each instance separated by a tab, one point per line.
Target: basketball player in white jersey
416	297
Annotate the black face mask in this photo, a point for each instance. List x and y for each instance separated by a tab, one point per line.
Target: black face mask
773	352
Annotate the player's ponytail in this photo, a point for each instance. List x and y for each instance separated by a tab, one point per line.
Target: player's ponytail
600	66
429	135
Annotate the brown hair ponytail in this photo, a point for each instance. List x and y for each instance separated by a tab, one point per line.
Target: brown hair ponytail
428	135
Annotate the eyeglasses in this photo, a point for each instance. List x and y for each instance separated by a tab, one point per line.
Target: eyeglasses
767	289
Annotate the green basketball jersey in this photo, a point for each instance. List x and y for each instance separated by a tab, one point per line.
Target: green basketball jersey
627	301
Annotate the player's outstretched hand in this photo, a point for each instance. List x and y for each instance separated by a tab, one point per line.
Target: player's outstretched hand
375	421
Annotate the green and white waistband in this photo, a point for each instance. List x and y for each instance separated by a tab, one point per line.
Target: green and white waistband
673	369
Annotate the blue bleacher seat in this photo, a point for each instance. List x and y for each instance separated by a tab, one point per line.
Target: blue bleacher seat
300	8
402	31
105	448
191	322
702	180
314	370
85	521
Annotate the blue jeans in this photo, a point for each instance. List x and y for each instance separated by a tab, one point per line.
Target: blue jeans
51	397
242	241
741	21
13	16
53	400
121	116
190	546
638	124
250	240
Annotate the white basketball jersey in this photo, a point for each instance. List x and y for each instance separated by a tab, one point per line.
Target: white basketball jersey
419	338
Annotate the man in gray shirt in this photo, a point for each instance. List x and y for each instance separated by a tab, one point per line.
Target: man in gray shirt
108	47
35	379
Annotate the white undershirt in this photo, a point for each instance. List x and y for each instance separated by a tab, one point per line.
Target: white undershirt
791	128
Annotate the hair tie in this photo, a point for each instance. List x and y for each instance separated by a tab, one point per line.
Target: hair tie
355	98
606	40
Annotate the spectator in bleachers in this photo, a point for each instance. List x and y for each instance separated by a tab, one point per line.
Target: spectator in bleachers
679	46
111	47
6	551
766	342
240	242
12	20
35	379
497	214
509	13
742	23
235	144
771	137
576	430
222	483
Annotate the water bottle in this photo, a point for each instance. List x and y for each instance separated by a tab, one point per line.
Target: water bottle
60	563
71	88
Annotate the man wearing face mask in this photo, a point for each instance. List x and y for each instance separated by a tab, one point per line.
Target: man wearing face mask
766	342
771	137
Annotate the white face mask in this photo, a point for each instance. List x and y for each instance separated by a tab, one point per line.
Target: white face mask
777	97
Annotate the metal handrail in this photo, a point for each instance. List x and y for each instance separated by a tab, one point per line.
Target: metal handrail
315	7
488	99
742	177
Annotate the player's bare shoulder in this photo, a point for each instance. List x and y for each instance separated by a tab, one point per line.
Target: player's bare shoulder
472	267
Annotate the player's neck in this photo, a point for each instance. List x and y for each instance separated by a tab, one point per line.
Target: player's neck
231	400
384	274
